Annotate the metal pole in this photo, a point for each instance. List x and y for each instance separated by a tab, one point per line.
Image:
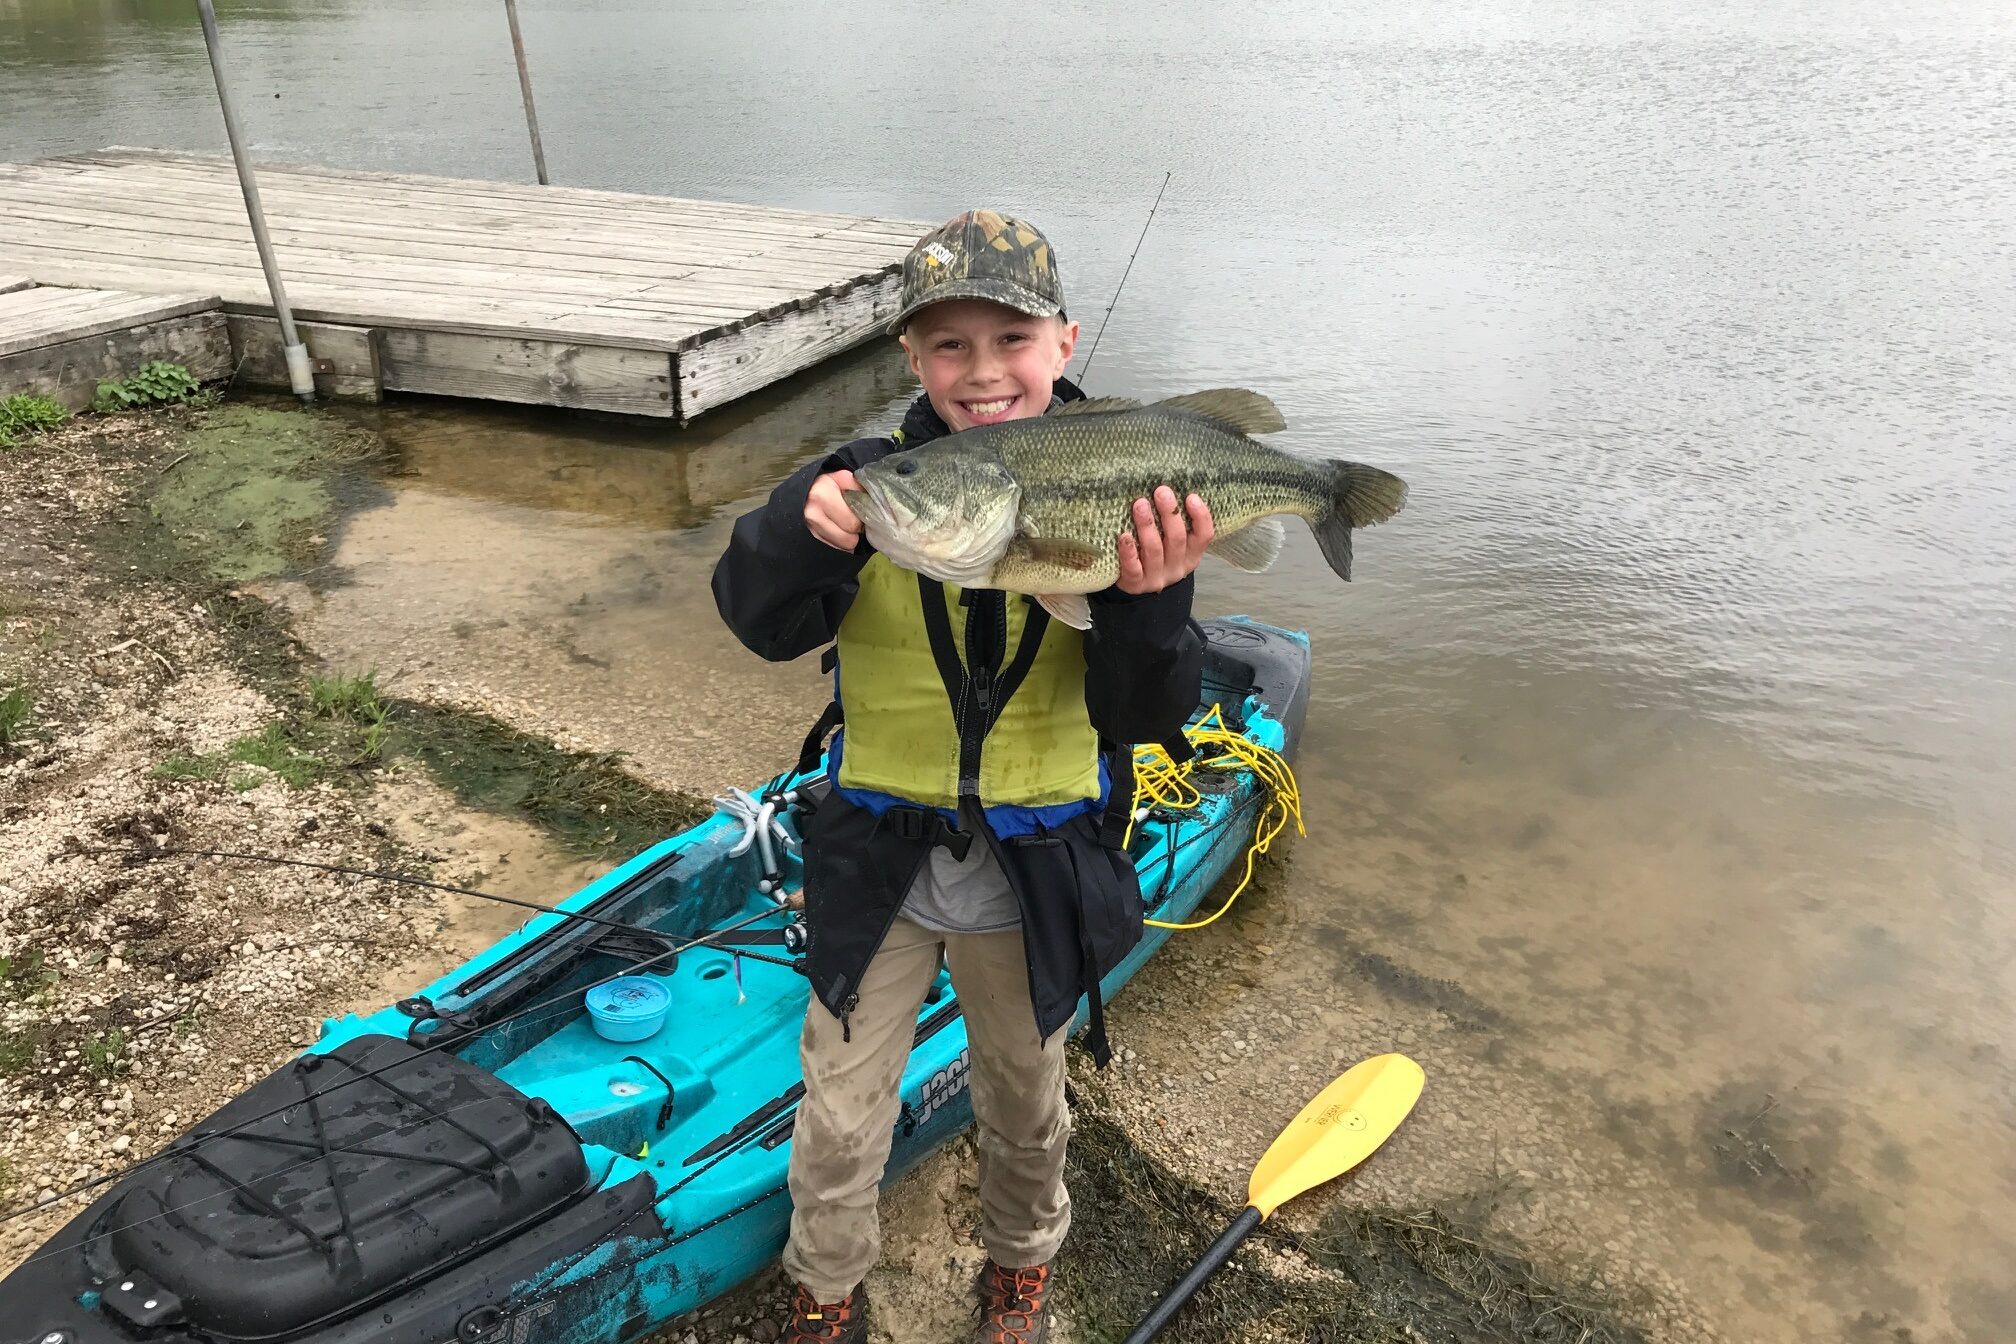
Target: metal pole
525	87
300	372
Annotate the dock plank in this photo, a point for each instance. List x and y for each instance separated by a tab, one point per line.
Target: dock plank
31	318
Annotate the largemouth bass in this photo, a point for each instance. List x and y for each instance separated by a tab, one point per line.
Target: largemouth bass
1038	506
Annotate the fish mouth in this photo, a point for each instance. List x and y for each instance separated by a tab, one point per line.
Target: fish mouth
875	508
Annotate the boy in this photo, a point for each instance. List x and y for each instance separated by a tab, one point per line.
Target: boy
978	791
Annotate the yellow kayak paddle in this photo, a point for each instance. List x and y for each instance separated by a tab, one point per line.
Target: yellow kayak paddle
1342	1127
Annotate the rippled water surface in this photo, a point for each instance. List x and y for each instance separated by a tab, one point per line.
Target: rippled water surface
1662	750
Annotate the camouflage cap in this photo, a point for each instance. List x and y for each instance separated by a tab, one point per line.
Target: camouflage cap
981	255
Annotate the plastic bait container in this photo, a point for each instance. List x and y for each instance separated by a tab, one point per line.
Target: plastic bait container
630	1008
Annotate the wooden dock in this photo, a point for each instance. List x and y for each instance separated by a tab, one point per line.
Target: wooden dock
600	300
57	342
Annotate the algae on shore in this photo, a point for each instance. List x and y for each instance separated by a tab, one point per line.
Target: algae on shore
252	486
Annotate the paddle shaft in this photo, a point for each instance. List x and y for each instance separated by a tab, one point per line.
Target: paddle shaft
1214	1259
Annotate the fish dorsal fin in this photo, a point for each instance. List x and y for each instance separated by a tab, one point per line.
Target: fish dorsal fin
1096	406
1254	547
1234	408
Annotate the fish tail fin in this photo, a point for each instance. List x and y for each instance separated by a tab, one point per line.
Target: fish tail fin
1359	497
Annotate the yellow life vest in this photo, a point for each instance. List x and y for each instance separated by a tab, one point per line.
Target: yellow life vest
904	734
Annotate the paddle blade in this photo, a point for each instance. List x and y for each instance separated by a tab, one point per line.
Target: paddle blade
1343	1126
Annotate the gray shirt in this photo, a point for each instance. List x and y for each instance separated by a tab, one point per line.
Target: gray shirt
970	897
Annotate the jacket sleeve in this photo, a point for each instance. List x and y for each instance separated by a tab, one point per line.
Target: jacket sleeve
779	588
1144	664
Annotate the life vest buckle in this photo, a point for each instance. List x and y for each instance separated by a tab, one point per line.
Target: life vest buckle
921	824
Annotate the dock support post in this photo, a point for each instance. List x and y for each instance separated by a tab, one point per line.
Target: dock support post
525	87
300	370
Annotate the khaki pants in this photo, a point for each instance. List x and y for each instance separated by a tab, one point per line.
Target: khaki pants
847	1120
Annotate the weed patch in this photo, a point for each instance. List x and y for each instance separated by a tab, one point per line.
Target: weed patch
17	711
24	976
102	1054
19	1050
156	383
588	801
1372	1276
25	414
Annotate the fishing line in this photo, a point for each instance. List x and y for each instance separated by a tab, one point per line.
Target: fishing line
1082	368
166	851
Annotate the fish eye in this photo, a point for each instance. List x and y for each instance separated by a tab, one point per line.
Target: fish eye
907	467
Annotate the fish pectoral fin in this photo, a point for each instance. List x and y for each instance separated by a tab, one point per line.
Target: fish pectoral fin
1232	408
1063	554
1254	547
1097	406
1071	608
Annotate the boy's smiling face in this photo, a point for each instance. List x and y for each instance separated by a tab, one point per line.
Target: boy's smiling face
982	363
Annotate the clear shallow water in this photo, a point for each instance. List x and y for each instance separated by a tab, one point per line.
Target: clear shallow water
1672	722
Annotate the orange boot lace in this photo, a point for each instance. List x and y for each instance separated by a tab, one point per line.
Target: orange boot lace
1012	1307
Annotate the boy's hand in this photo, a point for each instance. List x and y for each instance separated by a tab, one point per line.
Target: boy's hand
1164	547
827	514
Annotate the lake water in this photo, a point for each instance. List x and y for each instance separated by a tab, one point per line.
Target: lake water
1664	731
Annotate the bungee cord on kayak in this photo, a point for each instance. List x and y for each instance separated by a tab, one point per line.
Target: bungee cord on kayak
1160	784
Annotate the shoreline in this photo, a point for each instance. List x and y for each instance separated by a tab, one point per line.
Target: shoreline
131	613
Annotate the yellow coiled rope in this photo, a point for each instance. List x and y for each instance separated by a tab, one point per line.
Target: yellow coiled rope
1161	783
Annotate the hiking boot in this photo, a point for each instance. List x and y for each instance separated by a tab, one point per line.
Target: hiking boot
1012	1305
842	1322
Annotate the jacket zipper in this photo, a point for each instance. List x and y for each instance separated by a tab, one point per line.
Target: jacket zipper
986	638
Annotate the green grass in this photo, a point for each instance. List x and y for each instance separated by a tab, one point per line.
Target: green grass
340	697
18	1051
190	767
271	749
24	415
24	976
274	747
17	710
103	1053
354	701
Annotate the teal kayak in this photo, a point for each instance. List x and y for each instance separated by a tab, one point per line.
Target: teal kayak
582	1132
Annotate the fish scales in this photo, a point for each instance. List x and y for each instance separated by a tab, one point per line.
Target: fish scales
1038	506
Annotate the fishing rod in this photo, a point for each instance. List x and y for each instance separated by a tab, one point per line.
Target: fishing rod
1086	366
570	998
378	874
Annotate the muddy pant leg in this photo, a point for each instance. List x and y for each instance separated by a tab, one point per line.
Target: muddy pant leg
847	1120
1018	1100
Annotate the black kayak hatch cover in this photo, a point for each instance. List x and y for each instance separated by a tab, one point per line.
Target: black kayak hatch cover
380	1165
